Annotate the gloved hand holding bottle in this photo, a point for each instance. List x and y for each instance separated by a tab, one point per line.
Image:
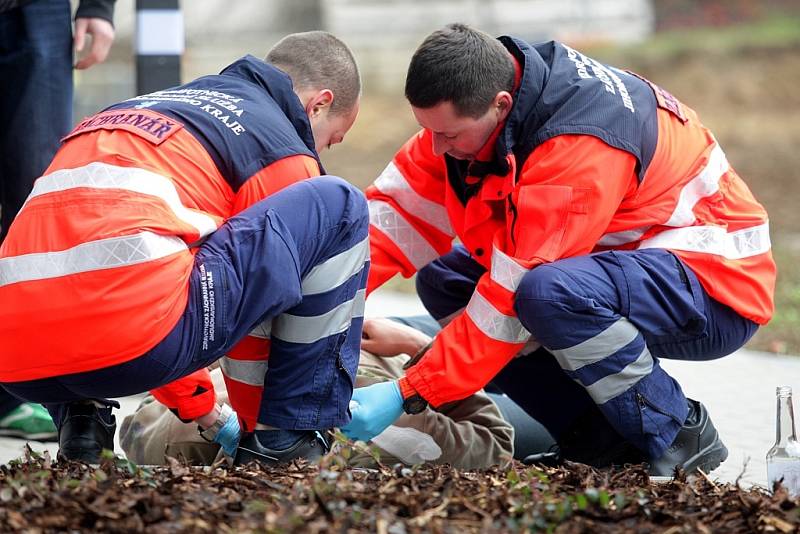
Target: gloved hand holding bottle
374	408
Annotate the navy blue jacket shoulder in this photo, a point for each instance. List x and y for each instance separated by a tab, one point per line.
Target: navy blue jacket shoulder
246	117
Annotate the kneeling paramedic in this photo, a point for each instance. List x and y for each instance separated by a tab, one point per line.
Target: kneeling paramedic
597	217
171	225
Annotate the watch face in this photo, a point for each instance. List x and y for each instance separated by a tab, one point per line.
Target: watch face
414	404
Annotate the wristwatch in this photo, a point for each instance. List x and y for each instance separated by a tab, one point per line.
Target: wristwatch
210	433
414	404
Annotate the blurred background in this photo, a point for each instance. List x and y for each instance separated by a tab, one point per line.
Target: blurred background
737	62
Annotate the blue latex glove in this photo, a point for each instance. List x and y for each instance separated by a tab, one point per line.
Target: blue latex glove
228	435
374	408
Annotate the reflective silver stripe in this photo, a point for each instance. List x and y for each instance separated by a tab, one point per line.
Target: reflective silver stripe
505	271
105	176
620	238
392	182
298	329
250	372
610	386
92	256
705	184
494	324
262	331
597	348
386	219
736	245
334	271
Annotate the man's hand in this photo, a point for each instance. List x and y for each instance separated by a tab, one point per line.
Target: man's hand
384	337
374	408
221	426
102	34
228	435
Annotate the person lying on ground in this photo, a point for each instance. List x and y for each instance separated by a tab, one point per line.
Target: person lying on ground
468	434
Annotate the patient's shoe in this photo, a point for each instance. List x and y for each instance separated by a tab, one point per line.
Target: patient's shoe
29	421
310	445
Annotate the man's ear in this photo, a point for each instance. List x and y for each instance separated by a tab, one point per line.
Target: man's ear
503	101
319	102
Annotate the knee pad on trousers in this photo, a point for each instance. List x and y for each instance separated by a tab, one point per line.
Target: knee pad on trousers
329	187
548	300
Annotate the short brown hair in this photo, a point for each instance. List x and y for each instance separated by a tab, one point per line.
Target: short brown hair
319	60
461	65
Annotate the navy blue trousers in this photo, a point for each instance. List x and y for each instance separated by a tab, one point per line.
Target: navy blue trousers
604	320
299	257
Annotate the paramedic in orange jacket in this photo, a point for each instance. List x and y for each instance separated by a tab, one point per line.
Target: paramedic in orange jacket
170	226
597	218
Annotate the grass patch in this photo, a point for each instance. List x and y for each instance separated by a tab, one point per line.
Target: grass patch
782	334
771	31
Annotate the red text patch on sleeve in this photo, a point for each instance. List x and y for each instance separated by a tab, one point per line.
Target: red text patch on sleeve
147	124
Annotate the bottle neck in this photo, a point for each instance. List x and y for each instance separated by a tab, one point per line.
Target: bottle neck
784	431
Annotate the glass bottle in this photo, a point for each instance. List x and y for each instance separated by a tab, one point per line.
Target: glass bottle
783	459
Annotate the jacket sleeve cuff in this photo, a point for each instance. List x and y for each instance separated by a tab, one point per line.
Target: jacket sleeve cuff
101	9
422	386
406	389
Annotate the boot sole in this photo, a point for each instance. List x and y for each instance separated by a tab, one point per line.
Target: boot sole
708	459
41	436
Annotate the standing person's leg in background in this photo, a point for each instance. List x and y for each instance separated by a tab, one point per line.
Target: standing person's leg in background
35	113
36	91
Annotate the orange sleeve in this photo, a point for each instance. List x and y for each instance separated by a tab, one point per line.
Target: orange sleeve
273	178
568	191
409	226
189	397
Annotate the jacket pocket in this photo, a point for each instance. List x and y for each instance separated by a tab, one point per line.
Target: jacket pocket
541	213
651	415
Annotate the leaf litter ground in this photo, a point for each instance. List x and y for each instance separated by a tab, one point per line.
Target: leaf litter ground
39	495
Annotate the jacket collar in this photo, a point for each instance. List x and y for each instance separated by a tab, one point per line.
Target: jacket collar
524	117
279	86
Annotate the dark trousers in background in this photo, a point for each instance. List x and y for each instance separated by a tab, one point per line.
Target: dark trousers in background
36	89
35	104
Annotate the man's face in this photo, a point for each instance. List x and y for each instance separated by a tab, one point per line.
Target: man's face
329	129
459	136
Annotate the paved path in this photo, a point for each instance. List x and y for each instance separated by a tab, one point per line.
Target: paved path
739	391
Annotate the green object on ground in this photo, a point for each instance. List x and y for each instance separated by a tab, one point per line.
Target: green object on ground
29	421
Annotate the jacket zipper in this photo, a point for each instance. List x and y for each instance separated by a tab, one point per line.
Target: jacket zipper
513	209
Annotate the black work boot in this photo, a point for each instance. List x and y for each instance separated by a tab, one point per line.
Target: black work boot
697	445
85	431
311	446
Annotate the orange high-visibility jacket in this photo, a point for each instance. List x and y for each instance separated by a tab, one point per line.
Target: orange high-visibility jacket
591	158
95	269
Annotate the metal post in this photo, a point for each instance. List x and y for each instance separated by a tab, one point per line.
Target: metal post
159	45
